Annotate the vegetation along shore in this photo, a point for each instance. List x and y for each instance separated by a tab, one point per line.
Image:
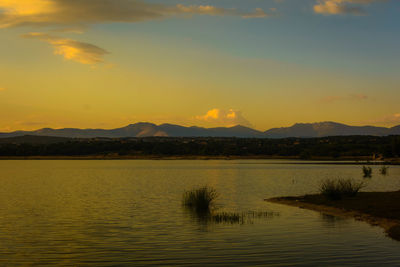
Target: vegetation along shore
363	148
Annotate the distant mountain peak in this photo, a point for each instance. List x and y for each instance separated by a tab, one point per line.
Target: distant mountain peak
145	129
238	126
322	123
141	124
328	128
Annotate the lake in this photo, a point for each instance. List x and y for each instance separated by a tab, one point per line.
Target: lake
129	212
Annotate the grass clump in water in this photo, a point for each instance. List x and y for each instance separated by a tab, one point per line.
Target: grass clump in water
367	171
336	189
201	204
201	199
228	217
384	170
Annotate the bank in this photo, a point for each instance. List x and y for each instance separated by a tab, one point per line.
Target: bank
377	208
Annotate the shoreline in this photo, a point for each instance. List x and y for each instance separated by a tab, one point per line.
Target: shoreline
348	208
296	160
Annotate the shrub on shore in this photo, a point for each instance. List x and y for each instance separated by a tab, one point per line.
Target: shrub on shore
201	199
367	171
336	189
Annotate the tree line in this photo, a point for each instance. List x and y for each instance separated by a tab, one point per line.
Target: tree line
333	147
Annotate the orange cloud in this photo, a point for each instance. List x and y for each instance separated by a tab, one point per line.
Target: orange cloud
14	12
61	13
215	11
259	13
335	7
74	16
224	117
72	50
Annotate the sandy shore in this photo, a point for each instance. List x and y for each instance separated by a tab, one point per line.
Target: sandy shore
376	208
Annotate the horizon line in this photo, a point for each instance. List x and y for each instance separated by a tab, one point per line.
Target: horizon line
194	126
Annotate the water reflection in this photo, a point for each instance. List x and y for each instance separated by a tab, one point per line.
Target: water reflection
225	217
333	221
130	213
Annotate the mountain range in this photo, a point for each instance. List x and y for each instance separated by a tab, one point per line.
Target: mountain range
145	129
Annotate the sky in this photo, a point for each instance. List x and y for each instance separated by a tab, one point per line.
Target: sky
258	63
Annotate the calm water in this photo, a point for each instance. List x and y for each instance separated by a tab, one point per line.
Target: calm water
129	213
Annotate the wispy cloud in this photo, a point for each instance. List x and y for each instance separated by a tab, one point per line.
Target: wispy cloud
351	97
215	11
224	117
259	13
62	13
70	49
336	7
77	15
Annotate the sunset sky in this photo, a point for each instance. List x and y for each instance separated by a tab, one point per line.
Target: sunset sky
259	63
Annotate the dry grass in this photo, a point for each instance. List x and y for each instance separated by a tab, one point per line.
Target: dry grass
367	171
336	189
201	199
201	204
384	170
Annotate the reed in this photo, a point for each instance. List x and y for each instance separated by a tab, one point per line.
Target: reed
367	171
201	199
384	170
228	217
240	218
336	189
